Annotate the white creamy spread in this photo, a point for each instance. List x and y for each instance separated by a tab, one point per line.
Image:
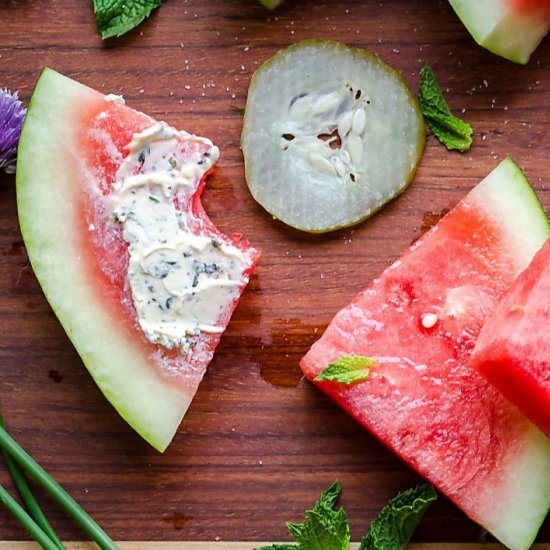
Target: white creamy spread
181	279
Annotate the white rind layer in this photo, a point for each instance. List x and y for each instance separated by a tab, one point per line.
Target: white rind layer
47	199
528	499
501	29
515	208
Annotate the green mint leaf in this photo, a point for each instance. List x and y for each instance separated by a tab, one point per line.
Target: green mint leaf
324	528
396	522
271	4
348	370
116	17
453	132
278	547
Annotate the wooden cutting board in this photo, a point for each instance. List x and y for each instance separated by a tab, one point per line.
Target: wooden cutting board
259	443
148	545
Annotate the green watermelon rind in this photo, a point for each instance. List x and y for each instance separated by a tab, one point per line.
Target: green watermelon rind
150	403
501	29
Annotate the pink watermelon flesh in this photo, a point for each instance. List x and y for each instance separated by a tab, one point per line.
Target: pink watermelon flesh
421	400
106	129
534	8
513	349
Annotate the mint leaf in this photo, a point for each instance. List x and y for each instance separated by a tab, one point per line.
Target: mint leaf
453	132
271	4
348	370
396	522
116	17
323	529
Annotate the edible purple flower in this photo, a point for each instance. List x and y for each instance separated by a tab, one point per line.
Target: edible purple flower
12	114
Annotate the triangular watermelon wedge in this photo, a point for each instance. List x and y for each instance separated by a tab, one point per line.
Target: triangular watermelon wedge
418	323
510	28
72	149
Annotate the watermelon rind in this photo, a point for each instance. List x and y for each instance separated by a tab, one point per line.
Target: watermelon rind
47	197
514	202
501	29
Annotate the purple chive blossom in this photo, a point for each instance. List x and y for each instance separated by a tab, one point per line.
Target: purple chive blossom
12	114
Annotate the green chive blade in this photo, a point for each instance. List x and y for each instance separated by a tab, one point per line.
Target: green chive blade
56	491
28	498
28	523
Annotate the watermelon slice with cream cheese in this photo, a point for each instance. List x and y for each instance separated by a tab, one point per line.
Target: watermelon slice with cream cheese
141	280
419	322
513	348
510	28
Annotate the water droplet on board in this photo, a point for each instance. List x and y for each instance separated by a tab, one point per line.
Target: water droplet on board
178	520
285	374
429	220
55	376
17	248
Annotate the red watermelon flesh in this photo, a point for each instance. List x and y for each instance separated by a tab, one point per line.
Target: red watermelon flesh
105	132
534	8
513	348
421	399
72	145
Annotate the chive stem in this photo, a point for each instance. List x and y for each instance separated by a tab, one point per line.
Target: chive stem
56	491
28	498
28	523
30	501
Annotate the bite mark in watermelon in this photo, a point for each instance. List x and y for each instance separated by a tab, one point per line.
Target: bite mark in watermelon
510	28
422	400
513	348
72	146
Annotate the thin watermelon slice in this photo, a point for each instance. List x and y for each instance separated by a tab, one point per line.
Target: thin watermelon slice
74	144
513	348
419	322
510	28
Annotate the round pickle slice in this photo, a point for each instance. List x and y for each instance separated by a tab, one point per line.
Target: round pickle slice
331	134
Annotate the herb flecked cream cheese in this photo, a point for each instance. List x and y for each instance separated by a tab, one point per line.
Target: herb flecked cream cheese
181	279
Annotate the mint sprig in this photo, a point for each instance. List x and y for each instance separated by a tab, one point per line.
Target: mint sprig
328	529
323	529
396	522
116	17
348	370
453	132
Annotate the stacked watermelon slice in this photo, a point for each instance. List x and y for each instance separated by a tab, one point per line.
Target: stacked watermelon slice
418	324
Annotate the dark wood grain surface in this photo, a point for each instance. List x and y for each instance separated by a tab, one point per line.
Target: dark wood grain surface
258	443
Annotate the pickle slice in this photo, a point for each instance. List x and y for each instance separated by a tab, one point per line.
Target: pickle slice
331	134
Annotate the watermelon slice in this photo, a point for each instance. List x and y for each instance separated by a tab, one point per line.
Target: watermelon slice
82	157
418	322
513	348
510	28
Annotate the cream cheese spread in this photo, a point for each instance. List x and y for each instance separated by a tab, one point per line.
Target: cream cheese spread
182	279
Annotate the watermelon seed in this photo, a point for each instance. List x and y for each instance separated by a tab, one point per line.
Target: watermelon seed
429	320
